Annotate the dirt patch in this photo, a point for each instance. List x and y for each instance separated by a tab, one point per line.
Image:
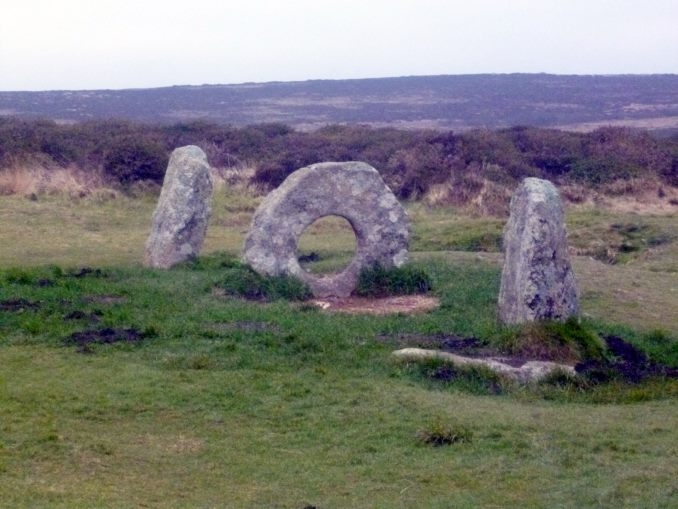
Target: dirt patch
18	305
406	304
85	339
626	363
94	316
87	272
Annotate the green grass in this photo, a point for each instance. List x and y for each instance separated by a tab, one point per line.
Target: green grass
229	403
379	281
92	231
58	230
444	229
623	238
329	245
240	280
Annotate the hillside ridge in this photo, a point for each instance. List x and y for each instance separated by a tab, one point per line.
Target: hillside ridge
457	102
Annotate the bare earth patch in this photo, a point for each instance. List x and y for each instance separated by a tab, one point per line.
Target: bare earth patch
383	306
18	305
84	339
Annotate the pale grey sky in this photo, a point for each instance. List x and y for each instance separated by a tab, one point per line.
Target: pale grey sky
95	44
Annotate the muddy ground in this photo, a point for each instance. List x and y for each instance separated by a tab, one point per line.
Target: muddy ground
84	340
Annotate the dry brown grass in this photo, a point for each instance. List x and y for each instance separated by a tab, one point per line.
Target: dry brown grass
482	197
660	122
474	194
647	195
35	179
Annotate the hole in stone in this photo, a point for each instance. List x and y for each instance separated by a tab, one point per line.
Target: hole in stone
326	246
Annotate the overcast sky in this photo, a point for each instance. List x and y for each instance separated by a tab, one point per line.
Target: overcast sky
95	44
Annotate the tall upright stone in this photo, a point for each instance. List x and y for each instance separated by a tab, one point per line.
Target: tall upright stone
183	211
537	282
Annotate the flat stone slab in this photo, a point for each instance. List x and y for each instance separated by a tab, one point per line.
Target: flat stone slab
529	371
352	190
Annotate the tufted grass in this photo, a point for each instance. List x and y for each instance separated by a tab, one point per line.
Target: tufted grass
228	403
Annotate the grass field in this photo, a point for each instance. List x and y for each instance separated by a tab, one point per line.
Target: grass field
220	402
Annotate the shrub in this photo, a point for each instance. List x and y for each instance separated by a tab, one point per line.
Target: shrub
285	287
670	173
439	432
129	160
411	162
378	281
594	171
416	168
271	175
550	150
240	280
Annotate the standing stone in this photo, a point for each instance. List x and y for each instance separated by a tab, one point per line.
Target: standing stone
183	211
352	190
537	282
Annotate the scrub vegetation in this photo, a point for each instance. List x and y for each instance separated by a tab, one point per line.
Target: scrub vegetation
477	167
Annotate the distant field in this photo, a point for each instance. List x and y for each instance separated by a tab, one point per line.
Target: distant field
442	102
669	123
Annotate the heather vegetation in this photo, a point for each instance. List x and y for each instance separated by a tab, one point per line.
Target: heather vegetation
442	167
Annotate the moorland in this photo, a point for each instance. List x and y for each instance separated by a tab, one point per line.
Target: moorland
126	386
458	102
